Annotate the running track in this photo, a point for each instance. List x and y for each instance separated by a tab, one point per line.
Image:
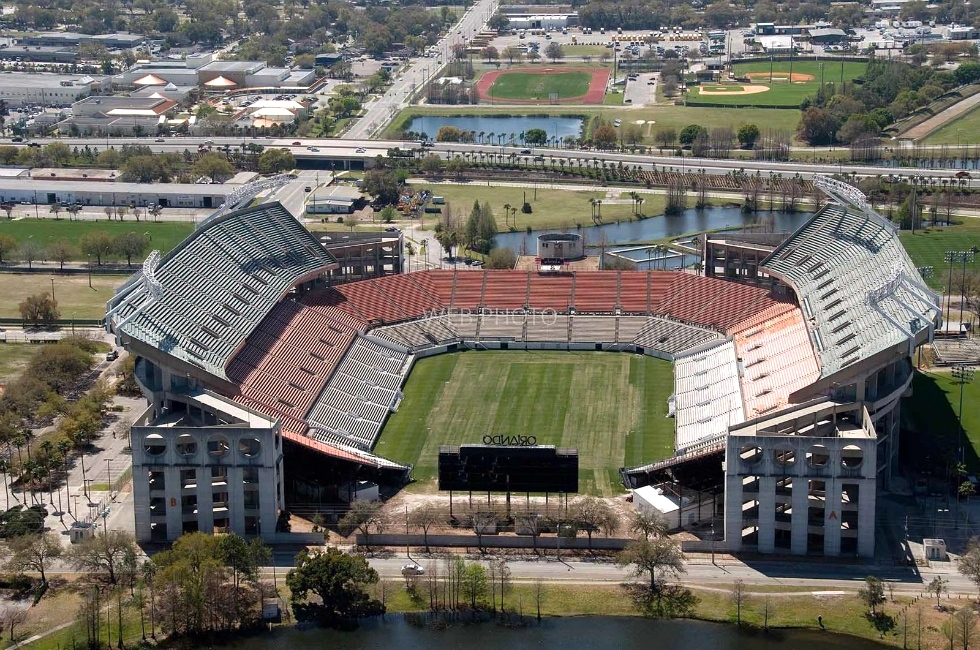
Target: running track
594	95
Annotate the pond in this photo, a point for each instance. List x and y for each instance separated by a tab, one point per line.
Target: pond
661	227
586	633
559	127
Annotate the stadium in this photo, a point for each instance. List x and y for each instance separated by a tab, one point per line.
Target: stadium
268	386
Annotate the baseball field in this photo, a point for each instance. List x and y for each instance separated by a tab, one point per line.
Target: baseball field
779	84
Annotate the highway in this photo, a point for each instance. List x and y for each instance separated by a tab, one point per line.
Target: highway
417	71
326	150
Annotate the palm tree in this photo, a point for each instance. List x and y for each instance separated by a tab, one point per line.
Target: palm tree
73	211
639	202
409	250
424	250
55	210
506	213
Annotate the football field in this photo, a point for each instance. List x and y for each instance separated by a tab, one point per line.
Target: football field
610	406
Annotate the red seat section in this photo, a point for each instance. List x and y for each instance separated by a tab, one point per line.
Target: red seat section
552	292
406	294
467	290
595	292
441	283
288	359
505	289
634	292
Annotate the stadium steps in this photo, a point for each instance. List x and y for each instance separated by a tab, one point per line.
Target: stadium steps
571	304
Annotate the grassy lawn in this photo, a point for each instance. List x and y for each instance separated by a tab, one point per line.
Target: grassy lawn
165	235
13	359
551	208
831	69
962	130
667	115
932	414
610	407
586	50
71	292
514	84
613	99
927	247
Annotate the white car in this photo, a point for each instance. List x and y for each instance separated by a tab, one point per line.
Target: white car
412	570
360	150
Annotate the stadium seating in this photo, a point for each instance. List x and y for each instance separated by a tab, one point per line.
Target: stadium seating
360	393
550	292
672	337
252	256
593	329
707	393
856	284
506	290
595	292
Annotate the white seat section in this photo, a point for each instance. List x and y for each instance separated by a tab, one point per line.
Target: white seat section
707	393
593	329
361	392
673	337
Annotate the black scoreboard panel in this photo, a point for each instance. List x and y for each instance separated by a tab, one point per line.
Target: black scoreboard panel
492	468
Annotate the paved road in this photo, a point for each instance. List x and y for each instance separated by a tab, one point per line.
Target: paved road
417	71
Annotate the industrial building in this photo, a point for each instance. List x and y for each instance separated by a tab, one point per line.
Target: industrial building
333	199
19	89
40	192
788	377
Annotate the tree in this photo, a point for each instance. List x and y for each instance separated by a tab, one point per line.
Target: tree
475	583
554	51
739	596
61	251
966	622
666	136
747	135
938	586
273	161
11	617
102	554
501	258
39	309
498	21
535	137
605	137
873	594
338	581
30	250
817	126
490	53
967	73
130	245
424	517
512	53
363	516
351	222
690	133
968	564
388	214
384	185
657	559
592	515
33	552
98	244
652	524
7	244
213	166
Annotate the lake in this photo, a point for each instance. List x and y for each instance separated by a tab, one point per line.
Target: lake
585	633
662	227
553	126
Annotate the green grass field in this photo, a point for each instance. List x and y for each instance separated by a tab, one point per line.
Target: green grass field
927	247
13	359
963	130
609	406
71	291
520	85
782	92
164	235
932	413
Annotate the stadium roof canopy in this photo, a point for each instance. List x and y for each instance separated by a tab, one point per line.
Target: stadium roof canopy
217	285
859	290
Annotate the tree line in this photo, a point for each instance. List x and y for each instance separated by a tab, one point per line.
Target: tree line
99	246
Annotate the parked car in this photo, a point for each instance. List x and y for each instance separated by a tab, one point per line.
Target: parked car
112	356
412	569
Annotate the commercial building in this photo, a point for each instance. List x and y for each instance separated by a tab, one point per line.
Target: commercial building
119	115
213	74
74	39
19	89
333	199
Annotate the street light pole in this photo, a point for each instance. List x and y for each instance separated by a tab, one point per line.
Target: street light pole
966	375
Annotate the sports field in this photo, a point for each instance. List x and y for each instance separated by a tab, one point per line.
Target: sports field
927	247
544	84
962	130
777	89
610	406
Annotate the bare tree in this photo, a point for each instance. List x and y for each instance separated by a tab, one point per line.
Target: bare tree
538	596
424	517
966	625
33	552
10	618
593	515
652	524
739	597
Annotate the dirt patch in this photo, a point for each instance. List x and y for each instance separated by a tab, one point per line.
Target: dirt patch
797	77
706	91
594	95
